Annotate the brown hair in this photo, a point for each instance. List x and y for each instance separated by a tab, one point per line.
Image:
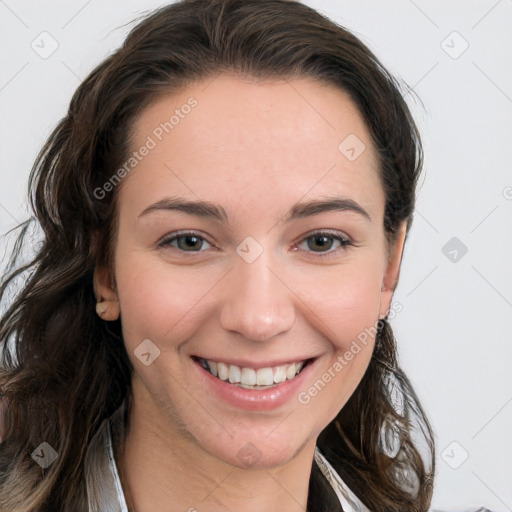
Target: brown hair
64	370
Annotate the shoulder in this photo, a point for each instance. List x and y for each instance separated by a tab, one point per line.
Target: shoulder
351	503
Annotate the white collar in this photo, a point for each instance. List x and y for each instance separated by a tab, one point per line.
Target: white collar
349	501
104	489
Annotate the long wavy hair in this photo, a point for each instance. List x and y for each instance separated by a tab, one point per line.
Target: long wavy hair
63	370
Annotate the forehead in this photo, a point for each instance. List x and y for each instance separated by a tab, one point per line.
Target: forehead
234	139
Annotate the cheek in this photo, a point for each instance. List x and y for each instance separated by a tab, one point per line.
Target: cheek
159	301
346	306
347	301
351	315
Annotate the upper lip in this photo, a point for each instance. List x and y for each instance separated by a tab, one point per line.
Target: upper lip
245	363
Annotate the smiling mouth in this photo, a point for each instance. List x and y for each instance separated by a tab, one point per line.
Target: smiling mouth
249	378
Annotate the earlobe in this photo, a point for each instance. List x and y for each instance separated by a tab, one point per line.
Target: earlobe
107	303
392	273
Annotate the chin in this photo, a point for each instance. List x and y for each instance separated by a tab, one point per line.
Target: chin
245	453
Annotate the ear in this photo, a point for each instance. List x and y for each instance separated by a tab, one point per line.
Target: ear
107	305
392	272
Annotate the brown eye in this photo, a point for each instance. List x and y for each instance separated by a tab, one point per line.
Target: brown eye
186	242
320	242
323	242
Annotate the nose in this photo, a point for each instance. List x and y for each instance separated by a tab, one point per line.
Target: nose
258	304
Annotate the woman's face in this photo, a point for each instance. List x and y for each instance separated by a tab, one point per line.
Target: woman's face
217	260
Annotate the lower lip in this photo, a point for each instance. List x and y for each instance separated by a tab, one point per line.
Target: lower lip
255	399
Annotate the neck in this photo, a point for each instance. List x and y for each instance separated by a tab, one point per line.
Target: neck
163	468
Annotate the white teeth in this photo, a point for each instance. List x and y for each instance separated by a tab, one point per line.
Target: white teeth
280	374
234	374
248	377
223	371
264	377
291	371
253	379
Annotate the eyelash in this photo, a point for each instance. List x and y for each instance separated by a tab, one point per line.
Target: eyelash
343	240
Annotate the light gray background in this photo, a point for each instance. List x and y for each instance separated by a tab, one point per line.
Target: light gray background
454	331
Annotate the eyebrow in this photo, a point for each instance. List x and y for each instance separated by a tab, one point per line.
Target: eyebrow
299	210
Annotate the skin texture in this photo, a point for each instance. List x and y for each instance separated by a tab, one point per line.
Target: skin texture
256	148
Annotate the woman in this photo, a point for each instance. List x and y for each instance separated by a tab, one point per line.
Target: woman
205	325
